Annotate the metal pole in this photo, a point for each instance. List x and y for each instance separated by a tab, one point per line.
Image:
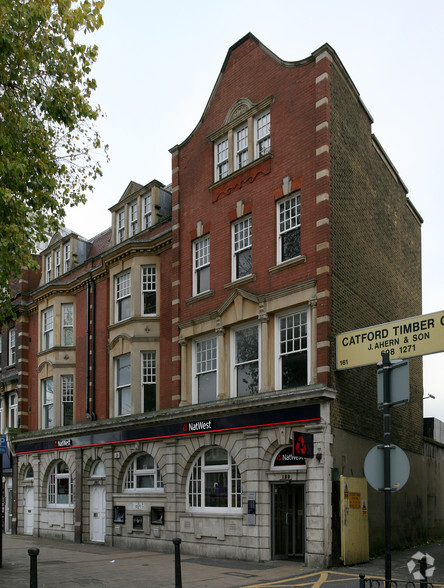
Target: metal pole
178	573
422	570
1	513
387	481
33	553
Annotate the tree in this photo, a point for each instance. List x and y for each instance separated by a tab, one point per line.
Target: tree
49	149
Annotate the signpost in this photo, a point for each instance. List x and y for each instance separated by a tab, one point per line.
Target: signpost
2	451
421	335
399	384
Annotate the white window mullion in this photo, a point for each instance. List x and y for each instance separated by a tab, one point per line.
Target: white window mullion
242	240
201	263
241	147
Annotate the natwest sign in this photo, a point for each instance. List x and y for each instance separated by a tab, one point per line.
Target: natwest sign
286	459
303	444
304	413
197	426
63	443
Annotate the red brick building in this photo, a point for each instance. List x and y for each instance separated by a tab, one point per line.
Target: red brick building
200	330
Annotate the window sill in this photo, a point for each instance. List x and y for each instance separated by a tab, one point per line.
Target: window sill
290	263
134	319
143	491
240	282
211	511
56	348
245	175
198	297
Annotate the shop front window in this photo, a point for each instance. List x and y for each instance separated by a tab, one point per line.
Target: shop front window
214	483
143	475
60	486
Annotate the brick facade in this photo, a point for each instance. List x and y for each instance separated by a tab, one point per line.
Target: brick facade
357	264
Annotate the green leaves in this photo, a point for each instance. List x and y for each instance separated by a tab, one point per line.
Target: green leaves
49	150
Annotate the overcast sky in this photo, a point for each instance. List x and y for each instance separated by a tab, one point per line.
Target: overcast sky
158	63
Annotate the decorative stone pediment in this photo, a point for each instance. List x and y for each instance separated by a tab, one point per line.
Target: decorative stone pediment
61	234
238	109
130	189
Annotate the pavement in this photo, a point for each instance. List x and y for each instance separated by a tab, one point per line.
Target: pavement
62	564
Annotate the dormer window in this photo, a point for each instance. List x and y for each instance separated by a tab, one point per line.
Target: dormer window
120	226
48	267
133	218
147	211
57	258
64	247
139	209
243	137
67	256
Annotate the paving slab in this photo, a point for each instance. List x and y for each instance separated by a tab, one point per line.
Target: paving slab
62	564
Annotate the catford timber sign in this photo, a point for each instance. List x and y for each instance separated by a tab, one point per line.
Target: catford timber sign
420	335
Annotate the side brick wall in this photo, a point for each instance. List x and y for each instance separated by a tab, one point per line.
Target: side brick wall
376	277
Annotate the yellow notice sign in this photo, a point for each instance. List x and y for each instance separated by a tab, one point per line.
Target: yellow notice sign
355	500
420	335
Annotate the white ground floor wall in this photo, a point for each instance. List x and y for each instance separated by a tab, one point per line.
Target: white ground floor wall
283	508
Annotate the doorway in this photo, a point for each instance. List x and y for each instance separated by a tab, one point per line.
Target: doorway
8	510
287	520
97	513
28	518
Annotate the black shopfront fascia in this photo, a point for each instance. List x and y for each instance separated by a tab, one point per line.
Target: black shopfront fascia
283	416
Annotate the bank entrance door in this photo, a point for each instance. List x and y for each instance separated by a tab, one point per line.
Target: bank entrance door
28	519
288	515
97	513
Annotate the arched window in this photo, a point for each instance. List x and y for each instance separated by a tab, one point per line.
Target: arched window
60	486
98	469
214	483
143	475
29	473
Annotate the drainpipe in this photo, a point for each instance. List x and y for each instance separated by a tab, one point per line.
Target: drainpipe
93	353
88	302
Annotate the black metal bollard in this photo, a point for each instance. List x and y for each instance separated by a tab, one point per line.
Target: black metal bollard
422	571
178	573
361	581
33	553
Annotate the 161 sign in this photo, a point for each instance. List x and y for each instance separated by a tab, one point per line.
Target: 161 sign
421	335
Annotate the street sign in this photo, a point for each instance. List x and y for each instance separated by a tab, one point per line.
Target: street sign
420	335
2	444
399	467
399	384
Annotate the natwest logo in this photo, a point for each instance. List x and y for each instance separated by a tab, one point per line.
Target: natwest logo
197	426
63	443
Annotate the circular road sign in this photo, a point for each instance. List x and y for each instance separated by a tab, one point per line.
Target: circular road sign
399	467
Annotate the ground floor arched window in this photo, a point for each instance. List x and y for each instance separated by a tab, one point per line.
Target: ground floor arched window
214	483
60	486
143	475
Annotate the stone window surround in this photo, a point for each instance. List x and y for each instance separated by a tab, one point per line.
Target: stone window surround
241	112
293	299
125	206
